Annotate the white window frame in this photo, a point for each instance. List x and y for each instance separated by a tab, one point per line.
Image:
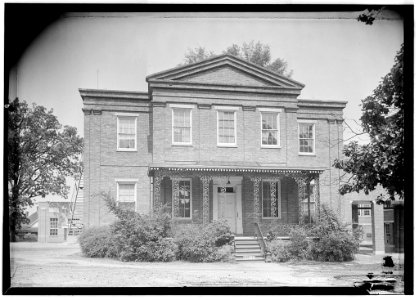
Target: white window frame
278	208
181	106
127	181
310	122
190	192
119	115
278	138
227	109
53	228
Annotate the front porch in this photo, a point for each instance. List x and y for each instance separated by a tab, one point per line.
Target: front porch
242	196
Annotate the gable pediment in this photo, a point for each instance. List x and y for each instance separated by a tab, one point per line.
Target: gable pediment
225	70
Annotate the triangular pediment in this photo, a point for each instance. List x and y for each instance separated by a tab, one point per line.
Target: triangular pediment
226	70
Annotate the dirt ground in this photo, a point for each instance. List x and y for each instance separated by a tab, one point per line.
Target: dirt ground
62	265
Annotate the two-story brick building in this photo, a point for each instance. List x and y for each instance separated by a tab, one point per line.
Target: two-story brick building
222	138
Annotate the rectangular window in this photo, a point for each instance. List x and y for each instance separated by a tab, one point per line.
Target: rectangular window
127	133
270	129
367	212
126	195
305	203
53	226
185	199
270	199
226	128
306	138
182	126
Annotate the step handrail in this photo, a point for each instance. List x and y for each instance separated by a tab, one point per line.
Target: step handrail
260	239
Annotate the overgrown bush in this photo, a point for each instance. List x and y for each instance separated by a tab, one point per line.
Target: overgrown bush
329	239
279	250
335	242
97	242
198	243
142	237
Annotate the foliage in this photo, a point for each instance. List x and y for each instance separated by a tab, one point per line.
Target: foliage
141	237
326	240
369	15
41	154
257	53
279	250
334	242
275	230
97	242
198	243
381	162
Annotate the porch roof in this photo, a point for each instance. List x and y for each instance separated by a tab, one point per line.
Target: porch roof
234	167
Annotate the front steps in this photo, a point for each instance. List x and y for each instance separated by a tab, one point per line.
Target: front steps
247	249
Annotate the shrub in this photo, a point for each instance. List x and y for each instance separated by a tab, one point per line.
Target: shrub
334	246
279	250
97	242
299	246
220	231
197	243
138	237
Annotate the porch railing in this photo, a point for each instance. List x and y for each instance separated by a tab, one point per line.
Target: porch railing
260	239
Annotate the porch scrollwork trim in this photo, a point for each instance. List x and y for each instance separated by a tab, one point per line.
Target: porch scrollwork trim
205	197
175	195
157	187
256	185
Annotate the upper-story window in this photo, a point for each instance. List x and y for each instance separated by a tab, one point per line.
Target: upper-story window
181	126
270	129
306	137
226	127
127	132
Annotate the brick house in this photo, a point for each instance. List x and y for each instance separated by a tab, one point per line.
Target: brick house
222	138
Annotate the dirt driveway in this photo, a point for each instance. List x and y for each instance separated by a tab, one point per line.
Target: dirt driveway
62	265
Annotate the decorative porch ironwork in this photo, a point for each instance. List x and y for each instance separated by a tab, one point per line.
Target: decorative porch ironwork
256	175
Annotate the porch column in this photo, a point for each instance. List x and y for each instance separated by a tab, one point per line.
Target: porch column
256	183
316	192
175	195
301	182
205	198
156	190
273	199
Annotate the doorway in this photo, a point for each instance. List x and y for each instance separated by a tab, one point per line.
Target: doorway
227	202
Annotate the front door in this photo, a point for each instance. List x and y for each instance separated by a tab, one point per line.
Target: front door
227	208
227	202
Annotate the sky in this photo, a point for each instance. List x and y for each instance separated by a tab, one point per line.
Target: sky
335	56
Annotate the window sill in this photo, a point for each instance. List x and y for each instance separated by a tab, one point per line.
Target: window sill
271	218
126	150
270	147
182	145
227	146
306	154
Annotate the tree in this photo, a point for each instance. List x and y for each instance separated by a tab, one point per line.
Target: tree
256	53
41	154
381	162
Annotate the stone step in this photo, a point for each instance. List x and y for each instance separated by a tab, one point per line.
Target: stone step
246	260
242	254
247	246
248	250
246	242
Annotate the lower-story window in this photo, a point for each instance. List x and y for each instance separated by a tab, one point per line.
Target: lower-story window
126	195
306	204
53	226
270	199
185	197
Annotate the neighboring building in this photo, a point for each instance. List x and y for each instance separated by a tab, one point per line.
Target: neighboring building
53	220
222	138
382	225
